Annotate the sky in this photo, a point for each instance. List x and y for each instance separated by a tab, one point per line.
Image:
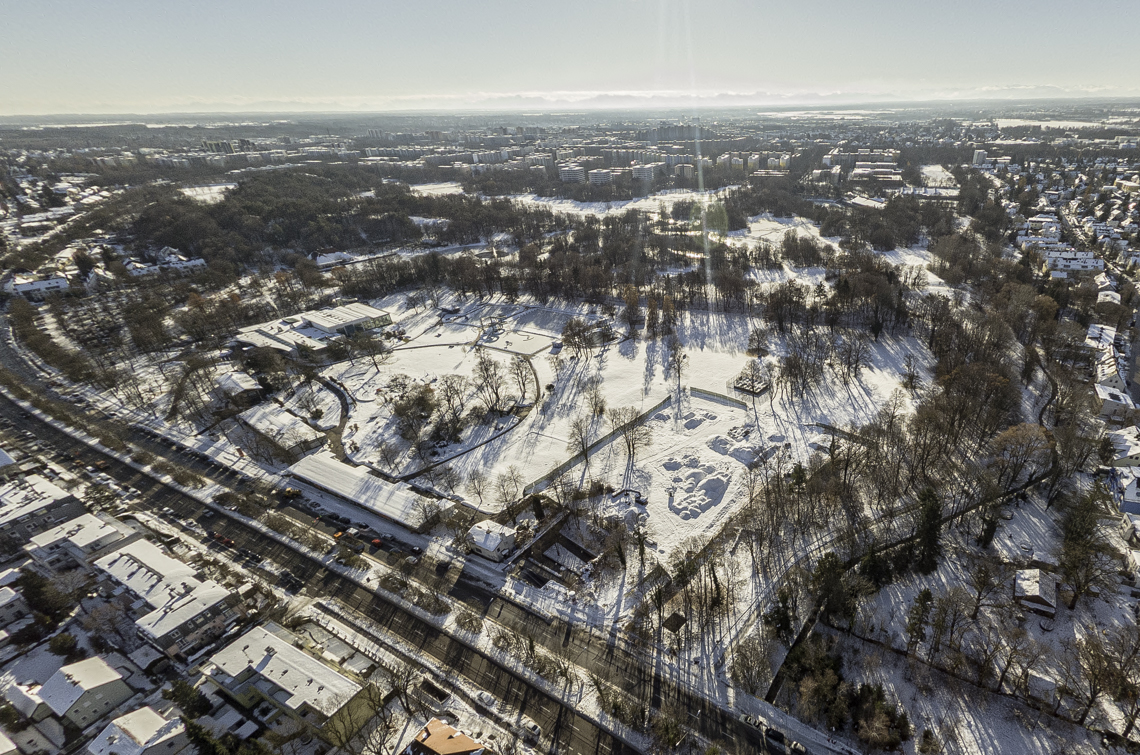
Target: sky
131	56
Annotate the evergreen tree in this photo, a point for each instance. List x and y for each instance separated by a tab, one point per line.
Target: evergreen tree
929	531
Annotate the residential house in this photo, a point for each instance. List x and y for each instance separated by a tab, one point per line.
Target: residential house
84	692
1126	447
179	612
438	738
1115	406
79	542
12	606
491	540
265	671
282	430
142	732
30	505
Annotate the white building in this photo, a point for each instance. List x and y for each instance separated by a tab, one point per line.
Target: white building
79	541
601	177
179	612
347	319
265	665
143	732
572	174
84	692
1111	368
491	540
1126	447
36	289
647	172
31	505
1115	406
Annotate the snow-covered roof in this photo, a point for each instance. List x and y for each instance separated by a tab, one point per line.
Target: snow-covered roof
1111	366
5	459
8	595
1108	297
394	500
170	587
135	732
489	535
83	531
1035	585
149	573
69	683
7	746
285	429
236	382
1100	336
1104	393
346	315
165	619
1125	443
300	677
24	698
21	497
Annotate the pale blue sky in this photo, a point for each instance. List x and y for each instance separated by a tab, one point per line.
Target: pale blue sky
120	56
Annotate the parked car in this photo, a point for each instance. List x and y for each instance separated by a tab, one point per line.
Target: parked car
486	699
530	727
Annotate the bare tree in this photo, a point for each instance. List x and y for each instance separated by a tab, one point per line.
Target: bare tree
489	380
521	372
367	344
451	394
987	577
477	483
579	440
362	724
634	434
1087	671
592	389
674	359
508	486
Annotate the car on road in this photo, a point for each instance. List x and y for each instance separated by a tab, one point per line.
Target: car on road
486	699
753	721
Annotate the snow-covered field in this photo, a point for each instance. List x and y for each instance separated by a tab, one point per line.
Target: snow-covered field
651	203
936	175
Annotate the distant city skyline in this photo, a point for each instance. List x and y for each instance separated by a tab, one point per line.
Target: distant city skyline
127	56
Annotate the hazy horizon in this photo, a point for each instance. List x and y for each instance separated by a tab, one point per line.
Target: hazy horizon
129	57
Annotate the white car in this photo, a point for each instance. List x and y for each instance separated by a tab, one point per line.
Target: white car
486	699
530	727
